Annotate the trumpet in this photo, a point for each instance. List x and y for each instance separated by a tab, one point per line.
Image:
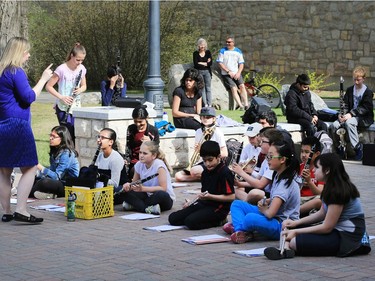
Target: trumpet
252	162
207	134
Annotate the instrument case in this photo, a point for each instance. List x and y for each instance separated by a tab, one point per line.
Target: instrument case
368	154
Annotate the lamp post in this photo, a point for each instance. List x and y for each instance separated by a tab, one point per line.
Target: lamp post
154	85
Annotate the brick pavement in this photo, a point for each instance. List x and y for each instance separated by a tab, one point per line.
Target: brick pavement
116	249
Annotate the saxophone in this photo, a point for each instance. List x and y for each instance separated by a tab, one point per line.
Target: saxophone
341	131
207	134
252	162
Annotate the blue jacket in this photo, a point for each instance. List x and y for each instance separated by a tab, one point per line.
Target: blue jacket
63	166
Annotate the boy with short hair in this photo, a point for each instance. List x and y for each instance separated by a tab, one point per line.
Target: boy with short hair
311	188
208	119
212	205
255	181
358	110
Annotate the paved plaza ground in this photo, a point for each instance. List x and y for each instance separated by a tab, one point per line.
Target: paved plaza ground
117	249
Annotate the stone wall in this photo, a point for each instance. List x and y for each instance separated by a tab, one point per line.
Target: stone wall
291	37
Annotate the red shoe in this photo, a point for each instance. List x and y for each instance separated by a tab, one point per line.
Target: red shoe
228	228
241	237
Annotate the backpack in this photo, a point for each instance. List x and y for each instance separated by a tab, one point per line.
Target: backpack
234	151
325	141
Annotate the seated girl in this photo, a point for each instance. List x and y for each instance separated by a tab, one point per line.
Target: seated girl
50	182
109	161
136	134
187	100
211	207
338	228
156	194
284	201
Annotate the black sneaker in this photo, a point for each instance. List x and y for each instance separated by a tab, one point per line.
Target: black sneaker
359	152
273	253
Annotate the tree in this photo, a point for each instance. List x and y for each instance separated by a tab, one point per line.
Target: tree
105	28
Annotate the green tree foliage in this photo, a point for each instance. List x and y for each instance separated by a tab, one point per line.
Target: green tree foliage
105	28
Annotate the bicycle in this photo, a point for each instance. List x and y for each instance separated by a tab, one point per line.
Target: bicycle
266	91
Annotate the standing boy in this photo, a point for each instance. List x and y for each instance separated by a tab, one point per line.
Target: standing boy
211	207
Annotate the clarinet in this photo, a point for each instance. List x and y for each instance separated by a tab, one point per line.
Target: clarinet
342	131
74	95
140	181
308	161
117	92
96	154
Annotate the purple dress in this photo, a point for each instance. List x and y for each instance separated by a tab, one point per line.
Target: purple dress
16	136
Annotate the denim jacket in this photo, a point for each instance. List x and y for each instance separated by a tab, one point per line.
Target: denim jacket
63	166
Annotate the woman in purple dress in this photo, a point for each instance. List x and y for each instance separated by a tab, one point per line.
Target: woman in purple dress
16	136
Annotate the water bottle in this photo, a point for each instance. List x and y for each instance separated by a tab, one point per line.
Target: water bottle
71	206
165	116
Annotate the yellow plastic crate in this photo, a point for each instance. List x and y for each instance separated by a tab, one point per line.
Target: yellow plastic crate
92	203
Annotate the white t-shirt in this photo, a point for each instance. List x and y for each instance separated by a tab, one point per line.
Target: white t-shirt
230	58
217	136
145	172
248	152
113	162
67	80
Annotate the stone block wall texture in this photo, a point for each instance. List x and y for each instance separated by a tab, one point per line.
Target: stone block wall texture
291	37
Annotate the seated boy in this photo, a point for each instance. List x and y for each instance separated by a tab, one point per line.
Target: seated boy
211	207
257	182
208	118
311	189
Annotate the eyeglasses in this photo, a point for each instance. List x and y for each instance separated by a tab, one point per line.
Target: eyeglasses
270	157
228	42
102	137
264	141
52	137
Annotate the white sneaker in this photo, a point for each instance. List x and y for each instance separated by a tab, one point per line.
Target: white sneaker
13	192
126	206
155	209
44	195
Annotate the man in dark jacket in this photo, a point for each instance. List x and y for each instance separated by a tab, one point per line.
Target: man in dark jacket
300	109
358	110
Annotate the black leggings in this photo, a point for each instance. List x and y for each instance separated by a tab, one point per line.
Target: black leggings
309	127
140	200
318	244
198	216
48	186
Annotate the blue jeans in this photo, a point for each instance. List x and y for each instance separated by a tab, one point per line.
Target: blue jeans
206	91
246	217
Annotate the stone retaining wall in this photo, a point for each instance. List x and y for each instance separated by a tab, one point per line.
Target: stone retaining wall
291	37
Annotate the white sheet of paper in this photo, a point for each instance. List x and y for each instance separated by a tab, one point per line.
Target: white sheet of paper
139	216
45	207
164	227
371	237
206	239
179	184
14	200
192	191
251	253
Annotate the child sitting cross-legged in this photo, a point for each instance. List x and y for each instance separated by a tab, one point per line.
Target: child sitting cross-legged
211	207
156	194
284	201
208	131
338	228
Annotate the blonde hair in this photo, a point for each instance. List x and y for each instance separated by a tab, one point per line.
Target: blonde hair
13	54
77	48
203	42
359	71
155	150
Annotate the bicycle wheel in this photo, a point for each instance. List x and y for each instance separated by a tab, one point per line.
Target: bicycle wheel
270	93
